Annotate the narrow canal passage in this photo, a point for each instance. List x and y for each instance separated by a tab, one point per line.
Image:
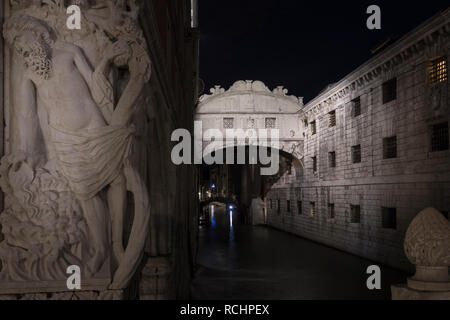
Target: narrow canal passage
238	262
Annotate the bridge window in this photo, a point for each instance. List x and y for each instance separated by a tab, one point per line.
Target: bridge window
440	137
313	209
390	148
313	128
389	218
314	160
356	154
228	123
355	214
356	107
299	207
251	123
390	91
438	71
332	159
331	212
332	116
271	123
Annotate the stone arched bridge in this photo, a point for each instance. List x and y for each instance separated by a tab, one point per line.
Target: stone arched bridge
251	106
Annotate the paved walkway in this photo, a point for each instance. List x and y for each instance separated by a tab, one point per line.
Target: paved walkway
244	262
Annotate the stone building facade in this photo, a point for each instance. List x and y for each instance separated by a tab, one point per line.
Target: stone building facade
376	151
163	41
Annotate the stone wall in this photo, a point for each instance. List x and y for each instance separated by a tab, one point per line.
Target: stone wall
171	246
414	179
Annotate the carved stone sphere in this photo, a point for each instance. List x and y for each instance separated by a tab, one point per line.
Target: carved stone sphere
427	242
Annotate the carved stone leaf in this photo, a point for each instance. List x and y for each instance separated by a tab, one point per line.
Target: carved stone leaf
427	240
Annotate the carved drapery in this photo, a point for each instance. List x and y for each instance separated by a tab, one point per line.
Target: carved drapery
73	128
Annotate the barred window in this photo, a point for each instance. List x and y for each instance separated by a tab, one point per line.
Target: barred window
332	115
331	213
314	160
313	208
271	204
279	206
438	70
390	91
355	214
357	107
390	148
440	137
299	207
332	159
271	123
288	203
313	128
389	218
228	123
356	154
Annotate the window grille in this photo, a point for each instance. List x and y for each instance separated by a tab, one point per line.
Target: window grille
438	70
390	148
356	154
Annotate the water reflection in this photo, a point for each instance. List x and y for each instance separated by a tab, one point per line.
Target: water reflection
221	217
213	217
231	219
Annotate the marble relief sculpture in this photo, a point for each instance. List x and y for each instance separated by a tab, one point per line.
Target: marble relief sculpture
67	173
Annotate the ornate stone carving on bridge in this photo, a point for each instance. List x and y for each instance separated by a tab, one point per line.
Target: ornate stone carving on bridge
427	246
251	105
253	86
68	171
217	90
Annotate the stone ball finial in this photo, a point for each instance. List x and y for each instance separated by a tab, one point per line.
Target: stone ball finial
427	242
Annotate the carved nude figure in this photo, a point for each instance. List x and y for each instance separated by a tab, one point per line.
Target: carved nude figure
89	135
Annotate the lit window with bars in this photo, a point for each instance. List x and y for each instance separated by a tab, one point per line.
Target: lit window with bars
355	214
440	137
228	123
390	148
356	154
332	159
356	107
313	128
271	123
332	116
438	70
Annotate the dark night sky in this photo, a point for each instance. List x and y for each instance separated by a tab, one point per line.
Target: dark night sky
303	45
